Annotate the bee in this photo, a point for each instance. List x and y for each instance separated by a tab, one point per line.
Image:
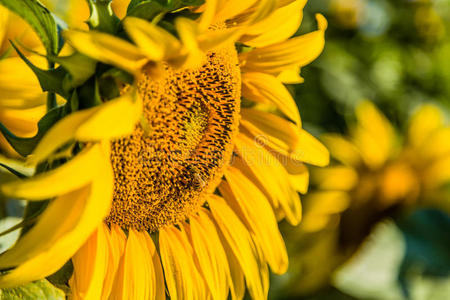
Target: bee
196	179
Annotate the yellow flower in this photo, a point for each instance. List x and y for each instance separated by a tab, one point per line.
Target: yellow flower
375	173
180	181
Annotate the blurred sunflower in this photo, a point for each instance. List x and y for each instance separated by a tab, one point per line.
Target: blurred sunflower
376	173
179	181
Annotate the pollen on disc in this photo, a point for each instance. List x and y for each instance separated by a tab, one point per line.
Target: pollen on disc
177	155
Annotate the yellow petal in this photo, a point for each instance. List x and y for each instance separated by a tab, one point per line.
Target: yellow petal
279	26
374	135
154	41
263	269
319	206
207	17
295	52
188	31
73	175
438	173
120	7
239	241
107	49
90	265
214	39
423	123
179	268
265	88
22	122
159	275
135	278
342	149
329	202
237	285
37	255
271	128
261	11
335	178
19	87
116	243
211	256
299	180
200	288
113	119
231	8
291	76
284	137
437	145
272	177
248	202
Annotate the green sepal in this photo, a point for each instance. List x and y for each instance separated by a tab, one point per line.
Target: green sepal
149	9
89	94
50	80
102	17
168	4
13	171
79	67
110	81
62	276
41	289
25	146
192	2
39	18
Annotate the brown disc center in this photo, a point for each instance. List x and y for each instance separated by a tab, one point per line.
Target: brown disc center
176	156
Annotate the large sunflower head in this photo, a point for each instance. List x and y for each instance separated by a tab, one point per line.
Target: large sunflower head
376	173
177	151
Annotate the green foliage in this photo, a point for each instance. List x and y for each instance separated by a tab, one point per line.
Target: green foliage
427	246
41	289
396	55
408	259
50	80
149	9
102	17
79	67
39	18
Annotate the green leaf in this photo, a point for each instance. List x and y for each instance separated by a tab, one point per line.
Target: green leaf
89	94
192	2
151	8
62	276
50	80
175	4
79	66
39	18
102	16
41	289
24	146
12	171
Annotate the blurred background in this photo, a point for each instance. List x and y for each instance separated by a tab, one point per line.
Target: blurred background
376	222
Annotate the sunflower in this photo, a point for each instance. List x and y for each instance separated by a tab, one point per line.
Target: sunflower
177	182
376	173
